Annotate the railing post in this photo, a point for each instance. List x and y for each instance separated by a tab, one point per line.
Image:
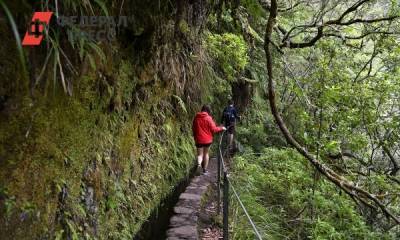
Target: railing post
226	207
219	185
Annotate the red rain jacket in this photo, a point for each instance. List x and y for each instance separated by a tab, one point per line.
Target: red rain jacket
203	128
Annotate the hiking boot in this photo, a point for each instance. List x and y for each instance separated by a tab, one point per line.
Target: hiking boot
205	172
198	170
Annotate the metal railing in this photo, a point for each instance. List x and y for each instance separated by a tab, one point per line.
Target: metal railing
226	183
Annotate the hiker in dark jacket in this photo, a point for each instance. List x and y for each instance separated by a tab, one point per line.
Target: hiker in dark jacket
229	117
203	129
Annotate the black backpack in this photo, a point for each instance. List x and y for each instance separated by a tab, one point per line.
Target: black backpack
229	115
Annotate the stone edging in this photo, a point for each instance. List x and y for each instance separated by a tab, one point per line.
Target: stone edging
183	224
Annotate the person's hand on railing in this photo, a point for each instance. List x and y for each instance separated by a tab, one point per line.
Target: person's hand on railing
224	128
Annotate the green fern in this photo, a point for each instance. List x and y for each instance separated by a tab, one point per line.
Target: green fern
17	40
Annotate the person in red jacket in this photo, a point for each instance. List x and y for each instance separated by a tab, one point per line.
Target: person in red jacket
203	129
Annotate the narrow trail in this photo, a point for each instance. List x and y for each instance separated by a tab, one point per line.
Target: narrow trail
196	215
209	225
191	218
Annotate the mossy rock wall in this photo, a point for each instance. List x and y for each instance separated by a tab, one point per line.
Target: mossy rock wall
94	165
70	166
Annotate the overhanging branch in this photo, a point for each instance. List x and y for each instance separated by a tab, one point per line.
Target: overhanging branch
332	176
286	41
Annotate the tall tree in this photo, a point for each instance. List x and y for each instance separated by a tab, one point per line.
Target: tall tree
324	24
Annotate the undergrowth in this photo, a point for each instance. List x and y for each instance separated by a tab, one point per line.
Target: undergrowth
286	201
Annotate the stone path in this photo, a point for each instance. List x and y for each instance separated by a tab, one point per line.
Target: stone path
184	222
210	222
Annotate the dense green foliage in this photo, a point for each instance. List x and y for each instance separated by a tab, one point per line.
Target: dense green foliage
230	51
339	97
96	133
287	202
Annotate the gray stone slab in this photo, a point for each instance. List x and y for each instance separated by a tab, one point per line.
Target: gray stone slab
183	210
183	231
190	196
189	221
197	191
196	180
193	204
178	220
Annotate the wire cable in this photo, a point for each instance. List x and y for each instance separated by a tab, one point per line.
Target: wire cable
234	190
245	211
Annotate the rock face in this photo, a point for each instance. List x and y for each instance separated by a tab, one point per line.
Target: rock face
94	164
183	224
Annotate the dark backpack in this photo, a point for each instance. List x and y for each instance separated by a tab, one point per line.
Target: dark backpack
229	115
